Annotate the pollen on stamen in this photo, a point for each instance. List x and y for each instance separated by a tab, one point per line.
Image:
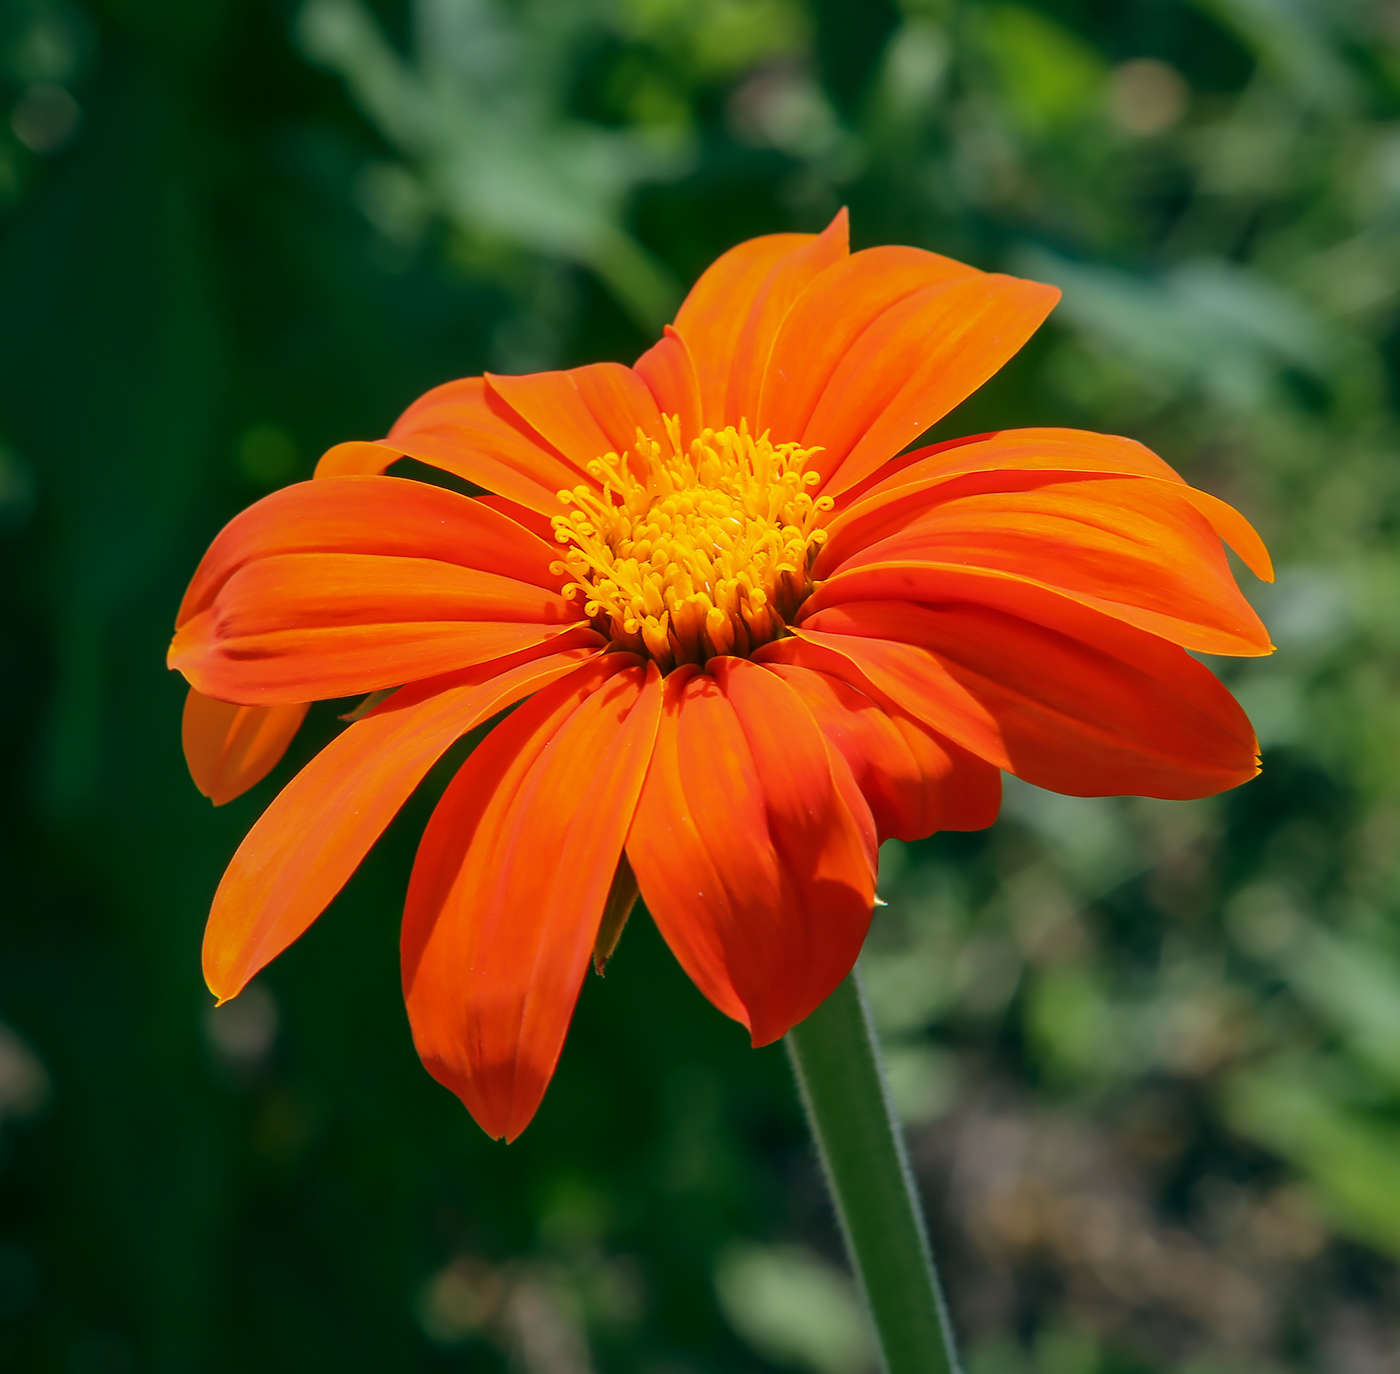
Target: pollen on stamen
687	553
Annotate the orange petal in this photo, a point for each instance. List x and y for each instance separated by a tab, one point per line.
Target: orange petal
670	376
230	748
714	312
463	428
941	583
357	458
914	364
899	492
908	485
308	626
537	524
620	401
886	474
915	780
852	800
1235	530
787	280
1132	549
585	413
319	827
683	869
827	319
372	515
1091	707
510	883
747	855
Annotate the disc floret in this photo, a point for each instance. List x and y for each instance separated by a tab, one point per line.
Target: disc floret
685	554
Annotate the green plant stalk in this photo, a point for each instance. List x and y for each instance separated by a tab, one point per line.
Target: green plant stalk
836	1057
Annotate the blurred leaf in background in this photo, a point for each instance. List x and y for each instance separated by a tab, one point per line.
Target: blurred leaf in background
479	116
1146	1050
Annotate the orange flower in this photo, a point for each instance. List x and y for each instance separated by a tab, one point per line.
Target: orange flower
750	642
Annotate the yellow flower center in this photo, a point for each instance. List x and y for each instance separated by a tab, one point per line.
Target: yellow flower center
684	555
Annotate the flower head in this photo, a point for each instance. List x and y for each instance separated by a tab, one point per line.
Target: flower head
751	635
686	554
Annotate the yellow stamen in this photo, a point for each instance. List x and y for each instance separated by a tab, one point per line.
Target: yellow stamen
684	555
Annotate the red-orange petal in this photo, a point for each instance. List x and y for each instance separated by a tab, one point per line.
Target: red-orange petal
990	462
372	515
852	801
745	849
714	312
1090	707
915	780
357	458
538	525
308	626
665	828
1134	549
942	583
913	364
669	373
775	296
1235	530
586	413
885	475
464	428
827	319
312	837
622	403
510	883
231	748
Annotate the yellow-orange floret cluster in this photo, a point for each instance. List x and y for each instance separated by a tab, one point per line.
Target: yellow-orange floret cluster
686	554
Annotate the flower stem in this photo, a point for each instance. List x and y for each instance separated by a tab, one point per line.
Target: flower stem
836	1057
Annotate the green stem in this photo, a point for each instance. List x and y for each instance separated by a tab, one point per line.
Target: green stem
836	1056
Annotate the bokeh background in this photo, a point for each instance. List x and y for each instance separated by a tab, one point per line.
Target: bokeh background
1148	1053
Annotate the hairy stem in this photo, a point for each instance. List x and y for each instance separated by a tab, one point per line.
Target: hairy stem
836	1057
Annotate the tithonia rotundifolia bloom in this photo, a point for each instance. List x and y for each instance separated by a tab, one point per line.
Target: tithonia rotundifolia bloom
748	633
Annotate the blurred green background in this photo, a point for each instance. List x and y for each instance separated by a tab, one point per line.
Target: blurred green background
1149	1053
